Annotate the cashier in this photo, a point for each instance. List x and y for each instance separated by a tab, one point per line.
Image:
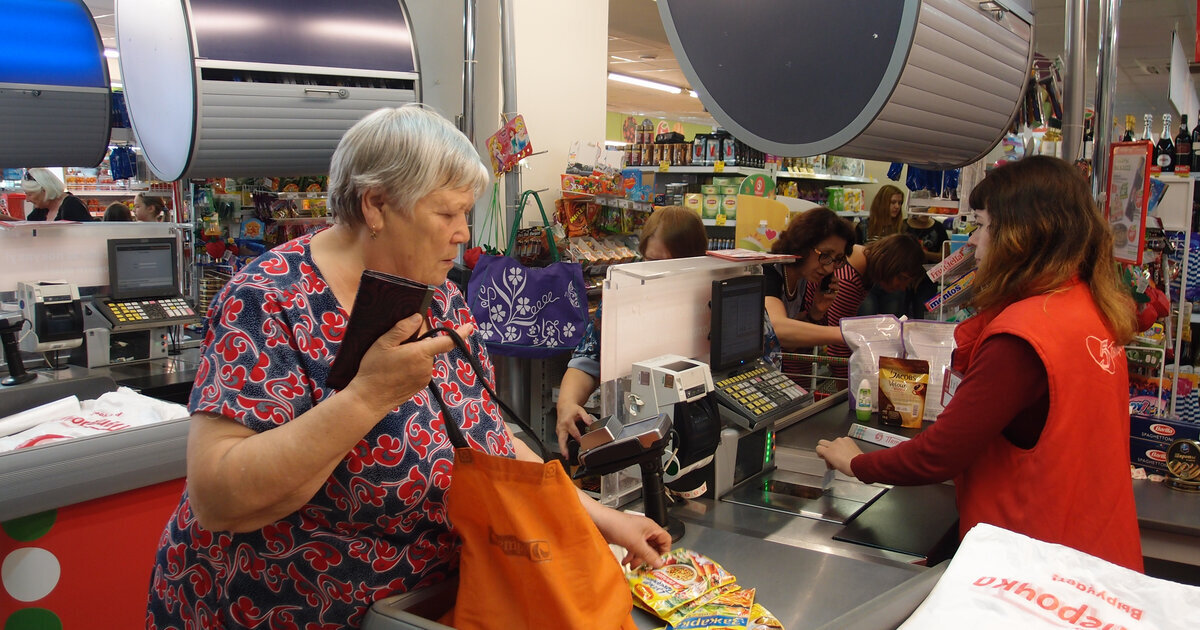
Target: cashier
1036	432
50	199
304	505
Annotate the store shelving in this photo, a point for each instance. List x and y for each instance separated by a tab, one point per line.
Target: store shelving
703	170
89	192
820	177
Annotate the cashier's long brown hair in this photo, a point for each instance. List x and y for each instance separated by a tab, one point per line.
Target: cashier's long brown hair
1043	229
679	230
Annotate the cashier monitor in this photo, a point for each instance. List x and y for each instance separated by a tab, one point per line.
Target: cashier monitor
143	276
754	391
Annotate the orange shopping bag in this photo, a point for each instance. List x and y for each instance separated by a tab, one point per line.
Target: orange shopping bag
531	557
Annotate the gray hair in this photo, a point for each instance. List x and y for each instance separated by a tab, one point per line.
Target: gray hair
408	152
44	180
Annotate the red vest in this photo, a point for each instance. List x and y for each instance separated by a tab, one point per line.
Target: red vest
1072	488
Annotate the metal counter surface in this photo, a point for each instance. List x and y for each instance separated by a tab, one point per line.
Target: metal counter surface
72	471
802	587
1169	519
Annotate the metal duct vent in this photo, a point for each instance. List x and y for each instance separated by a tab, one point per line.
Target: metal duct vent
55	103
240	89
934	83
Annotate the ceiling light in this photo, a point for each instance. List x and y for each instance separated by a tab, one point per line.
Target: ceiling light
111	53
654	85
117	86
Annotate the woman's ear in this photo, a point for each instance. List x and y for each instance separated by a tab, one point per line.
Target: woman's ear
373	204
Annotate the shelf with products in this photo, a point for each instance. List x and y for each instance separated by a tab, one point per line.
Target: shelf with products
820	177
96	192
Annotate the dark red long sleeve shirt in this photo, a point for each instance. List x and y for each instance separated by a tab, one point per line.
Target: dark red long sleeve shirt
1005	395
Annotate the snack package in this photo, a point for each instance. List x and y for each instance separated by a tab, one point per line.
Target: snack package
688	609
868	339
762	619
685	581
665	589
729	611
930	341
903	385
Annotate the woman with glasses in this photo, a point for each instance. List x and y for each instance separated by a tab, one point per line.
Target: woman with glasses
50	199
821	242
1039	376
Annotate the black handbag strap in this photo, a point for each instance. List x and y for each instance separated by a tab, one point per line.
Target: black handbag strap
452	429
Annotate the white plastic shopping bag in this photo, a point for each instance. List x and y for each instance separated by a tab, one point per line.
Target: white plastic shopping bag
113	411
1000	580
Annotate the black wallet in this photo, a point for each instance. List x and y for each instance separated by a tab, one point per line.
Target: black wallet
381	301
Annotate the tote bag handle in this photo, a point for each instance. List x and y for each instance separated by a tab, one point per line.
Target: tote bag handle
512	237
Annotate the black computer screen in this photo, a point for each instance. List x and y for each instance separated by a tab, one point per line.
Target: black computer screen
737	321
142	268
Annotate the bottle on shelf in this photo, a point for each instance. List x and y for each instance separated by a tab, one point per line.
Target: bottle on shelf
1183	148
1164	151
1089	142
1147	121
1196	146
1128	137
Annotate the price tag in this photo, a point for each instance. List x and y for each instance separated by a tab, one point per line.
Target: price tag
664	166
720	217
719	167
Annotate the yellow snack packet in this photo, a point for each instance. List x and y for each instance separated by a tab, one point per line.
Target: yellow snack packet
685	611
667	588
762	619
730	611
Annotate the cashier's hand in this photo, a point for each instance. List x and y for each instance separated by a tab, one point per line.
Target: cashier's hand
569	417
644	541
838	453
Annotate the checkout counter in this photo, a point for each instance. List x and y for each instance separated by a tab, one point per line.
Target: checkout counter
93	507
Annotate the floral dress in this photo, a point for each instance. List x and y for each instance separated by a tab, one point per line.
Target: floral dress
378	526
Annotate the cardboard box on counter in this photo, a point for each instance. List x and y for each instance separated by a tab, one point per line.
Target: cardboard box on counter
1162	430
1148	454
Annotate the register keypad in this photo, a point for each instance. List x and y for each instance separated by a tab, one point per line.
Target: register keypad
761	393
140	311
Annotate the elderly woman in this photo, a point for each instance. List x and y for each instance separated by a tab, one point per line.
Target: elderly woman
1040	375
304	505
147	208
50	199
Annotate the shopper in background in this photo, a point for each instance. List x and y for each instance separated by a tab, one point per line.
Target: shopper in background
885	216
671	232
50	199
883	277
931	233
148	208
304	505
894	278
1043	376
117	211
821	243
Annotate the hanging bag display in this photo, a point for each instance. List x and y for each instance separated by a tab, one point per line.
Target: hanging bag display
527	311
531	556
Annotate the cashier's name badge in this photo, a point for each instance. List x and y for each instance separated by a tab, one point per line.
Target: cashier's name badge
950	385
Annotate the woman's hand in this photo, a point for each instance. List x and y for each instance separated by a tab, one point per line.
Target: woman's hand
838	453
822	301
392	371
644	541
569	417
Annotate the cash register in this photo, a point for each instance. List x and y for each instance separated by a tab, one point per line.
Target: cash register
133	322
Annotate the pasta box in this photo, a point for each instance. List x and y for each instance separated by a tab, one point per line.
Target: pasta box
1162	430
1148	454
